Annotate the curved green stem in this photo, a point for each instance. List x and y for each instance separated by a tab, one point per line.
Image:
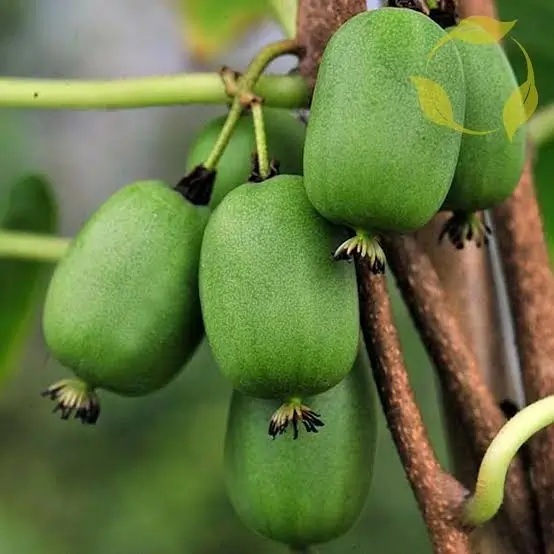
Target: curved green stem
541	126
261	140
26	246
224	136
489	491
196	88
262	60
246	92
285	13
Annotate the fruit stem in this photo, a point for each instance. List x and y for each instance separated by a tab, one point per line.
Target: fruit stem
489	490
263	59
261	139
224	135
169	90
245	94
27	246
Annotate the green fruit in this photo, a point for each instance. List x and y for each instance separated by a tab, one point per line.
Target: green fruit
373	160
285	139
307	491
280	314
122	310
490	165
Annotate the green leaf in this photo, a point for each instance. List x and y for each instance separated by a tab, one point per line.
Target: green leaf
28	206
210	26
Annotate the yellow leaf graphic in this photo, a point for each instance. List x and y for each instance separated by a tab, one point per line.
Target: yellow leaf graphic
477	29
523	102
436	105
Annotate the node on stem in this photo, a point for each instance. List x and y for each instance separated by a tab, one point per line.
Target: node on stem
230	78
197	186
74	397
464	227
294	412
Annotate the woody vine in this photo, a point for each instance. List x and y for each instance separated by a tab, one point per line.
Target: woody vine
450	510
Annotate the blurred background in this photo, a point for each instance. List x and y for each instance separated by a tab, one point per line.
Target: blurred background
148	478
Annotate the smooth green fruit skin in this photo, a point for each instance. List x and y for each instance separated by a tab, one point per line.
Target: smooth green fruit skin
280	314
372	159
311	490
489	166
285	139
122	310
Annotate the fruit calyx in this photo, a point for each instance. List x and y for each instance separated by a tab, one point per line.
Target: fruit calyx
445	14
294	412
197	186
255	175
366	246
74	397
416	5
465	227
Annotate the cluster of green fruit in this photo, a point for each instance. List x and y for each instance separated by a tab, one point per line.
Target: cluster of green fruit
255	265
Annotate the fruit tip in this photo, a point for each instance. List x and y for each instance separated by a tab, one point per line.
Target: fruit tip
463	228
294	412
73	397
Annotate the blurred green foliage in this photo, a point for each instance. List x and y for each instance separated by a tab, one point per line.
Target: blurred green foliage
28	205
211	25
148	478
534	25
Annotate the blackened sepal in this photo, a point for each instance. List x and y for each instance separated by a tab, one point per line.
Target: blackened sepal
255	176
197	186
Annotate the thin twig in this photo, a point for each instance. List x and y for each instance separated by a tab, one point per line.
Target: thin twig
438	494
530	283
470	398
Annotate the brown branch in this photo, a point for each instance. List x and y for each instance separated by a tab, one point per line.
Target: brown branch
467	8
438	494
469	283
317	20
530	283
469	397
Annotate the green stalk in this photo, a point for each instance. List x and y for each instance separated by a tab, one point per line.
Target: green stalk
26	246
489	490
196	88
246	93
261	139
224	136
262	60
